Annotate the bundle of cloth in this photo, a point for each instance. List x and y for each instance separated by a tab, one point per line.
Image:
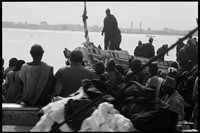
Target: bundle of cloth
97	116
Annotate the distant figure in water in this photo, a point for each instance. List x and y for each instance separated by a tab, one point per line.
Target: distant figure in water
110	30
37	78
161	50
137	51
148	49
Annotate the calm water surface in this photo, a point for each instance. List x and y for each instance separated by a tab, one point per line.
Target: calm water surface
17	43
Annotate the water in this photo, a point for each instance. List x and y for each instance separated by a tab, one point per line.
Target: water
17	43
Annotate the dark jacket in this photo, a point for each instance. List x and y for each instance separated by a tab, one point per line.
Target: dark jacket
110	25
147	50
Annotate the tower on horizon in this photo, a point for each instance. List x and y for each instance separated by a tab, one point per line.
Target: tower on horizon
140	26
131	25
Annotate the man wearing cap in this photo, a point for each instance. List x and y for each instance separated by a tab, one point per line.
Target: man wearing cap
110	29
37	77
172	97
68	78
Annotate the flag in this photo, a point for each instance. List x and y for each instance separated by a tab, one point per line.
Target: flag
85	17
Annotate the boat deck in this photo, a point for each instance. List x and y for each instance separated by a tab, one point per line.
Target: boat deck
14	128
19	115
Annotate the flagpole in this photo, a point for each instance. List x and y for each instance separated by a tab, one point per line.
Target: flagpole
85	17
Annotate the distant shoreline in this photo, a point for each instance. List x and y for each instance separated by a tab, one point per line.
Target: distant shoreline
147	34
43	25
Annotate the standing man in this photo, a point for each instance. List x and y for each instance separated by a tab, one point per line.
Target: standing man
110	30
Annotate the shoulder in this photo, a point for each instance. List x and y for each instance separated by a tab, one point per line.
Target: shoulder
47	65
111	15
63	69
24	66
10	72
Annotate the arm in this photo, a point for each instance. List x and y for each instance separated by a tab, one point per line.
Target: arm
5	86
103	28
56	85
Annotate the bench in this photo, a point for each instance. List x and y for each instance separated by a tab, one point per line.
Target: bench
16	114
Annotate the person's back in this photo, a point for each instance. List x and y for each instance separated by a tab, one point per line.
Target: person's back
37	78
69	78
72	76
183	57
148	49
178	47
118	39
110	29
12	63
161	50
13	83
137	51
192	51
110	24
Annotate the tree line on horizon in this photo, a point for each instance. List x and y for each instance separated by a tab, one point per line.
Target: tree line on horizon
95	28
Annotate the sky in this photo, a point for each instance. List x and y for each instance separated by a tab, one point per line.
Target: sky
154	15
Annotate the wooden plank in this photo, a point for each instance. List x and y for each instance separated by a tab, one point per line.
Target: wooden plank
13	106
15	114
14	128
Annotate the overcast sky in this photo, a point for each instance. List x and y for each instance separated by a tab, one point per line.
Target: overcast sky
154	15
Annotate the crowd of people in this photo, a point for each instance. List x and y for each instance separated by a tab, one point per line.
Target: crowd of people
153	100
184	52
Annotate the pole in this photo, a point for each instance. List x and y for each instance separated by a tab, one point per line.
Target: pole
85	17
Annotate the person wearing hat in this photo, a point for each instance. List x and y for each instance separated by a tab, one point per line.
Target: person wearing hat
172	97
37	78
69	78
109	30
